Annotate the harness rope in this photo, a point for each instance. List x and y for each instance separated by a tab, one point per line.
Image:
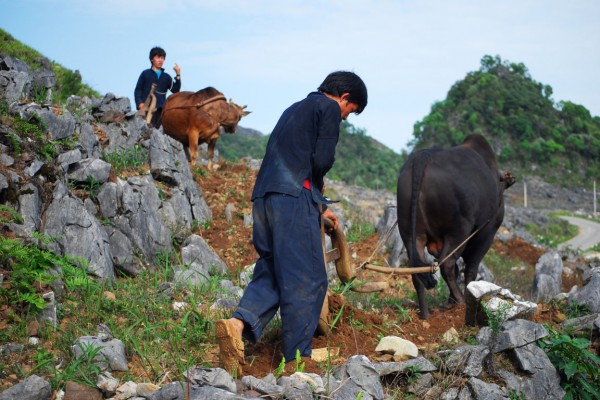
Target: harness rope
432	269
202	104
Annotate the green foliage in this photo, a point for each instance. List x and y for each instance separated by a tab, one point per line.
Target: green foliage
236	146
360	160
280	368
300	365
554	232
91	185
127	159
83	370
8	214
359	232
31	134
518	116
495	318
30	265
578	367
413	372
68	82
575	310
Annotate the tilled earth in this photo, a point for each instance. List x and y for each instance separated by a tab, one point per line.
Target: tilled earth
358	330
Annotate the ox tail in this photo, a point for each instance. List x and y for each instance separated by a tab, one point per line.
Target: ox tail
420	162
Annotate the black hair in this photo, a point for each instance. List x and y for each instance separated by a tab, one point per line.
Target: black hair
157	51
340	82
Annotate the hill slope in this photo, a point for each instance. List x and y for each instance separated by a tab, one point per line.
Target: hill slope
530	133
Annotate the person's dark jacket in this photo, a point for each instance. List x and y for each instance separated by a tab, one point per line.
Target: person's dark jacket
164	83
302	146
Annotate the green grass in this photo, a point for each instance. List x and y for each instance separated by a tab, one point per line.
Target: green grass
162	341
127	160
68	82
578	367
555	232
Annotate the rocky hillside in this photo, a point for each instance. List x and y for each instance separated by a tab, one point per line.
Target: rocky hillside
122	200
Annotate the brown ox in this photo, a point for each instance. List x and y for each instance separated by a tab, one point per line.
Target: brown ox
195	118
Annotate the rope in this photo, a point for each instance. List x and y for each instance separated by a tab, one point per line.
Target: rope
202	104
381	241
433	268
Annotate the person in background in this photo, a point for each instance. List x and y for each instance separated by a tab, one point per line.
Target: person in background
288	204
156	74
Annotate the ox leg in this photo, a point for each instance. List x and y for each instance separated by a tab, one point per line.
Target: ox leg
420	289
476	250
193	147
211	153
449	272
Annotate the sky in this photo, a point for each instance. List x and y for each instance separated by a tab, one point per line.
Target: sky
268	54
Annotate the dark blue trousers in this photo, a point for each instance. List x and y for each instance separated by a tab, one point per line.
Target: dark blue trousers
289	274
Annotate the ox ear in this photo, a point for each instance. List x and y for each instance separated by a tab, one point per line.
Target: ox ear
508	179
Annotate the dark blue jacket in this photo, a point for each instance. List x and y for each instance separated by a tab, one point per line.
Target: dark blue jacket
164	83
302	146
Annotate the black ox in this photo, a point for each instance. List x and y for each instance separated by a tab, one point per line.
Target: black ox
450	201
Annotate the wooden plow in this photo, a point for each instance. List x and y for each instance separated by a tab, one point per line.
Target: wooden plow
149	105
340	254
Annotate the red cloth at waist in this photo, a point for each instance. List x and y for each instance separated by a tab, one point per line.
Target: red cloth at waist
307	184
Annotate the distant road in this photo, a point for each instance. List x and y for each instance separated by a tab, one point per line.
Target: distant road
589	234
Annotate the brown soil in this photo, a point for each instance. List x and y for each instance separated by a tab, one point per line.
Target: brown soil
358	330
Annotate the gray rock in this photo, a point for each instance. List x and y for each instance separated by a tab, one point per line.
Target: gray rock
548	277
90	169
169	165
69	158
387	368
294	388
30	207
14	85
78	233
89	141
32	388
111	355
56	126
266	386
541	380
200	260
356	376
586	325
395	246
589	294
467	360
215	377
487	391
513	334
33	168
110	102
422	385
138	216
44	78
122	252
47	316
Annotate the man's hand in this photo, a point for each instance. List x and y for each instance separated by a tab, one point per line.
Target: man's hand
177	69
332	217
